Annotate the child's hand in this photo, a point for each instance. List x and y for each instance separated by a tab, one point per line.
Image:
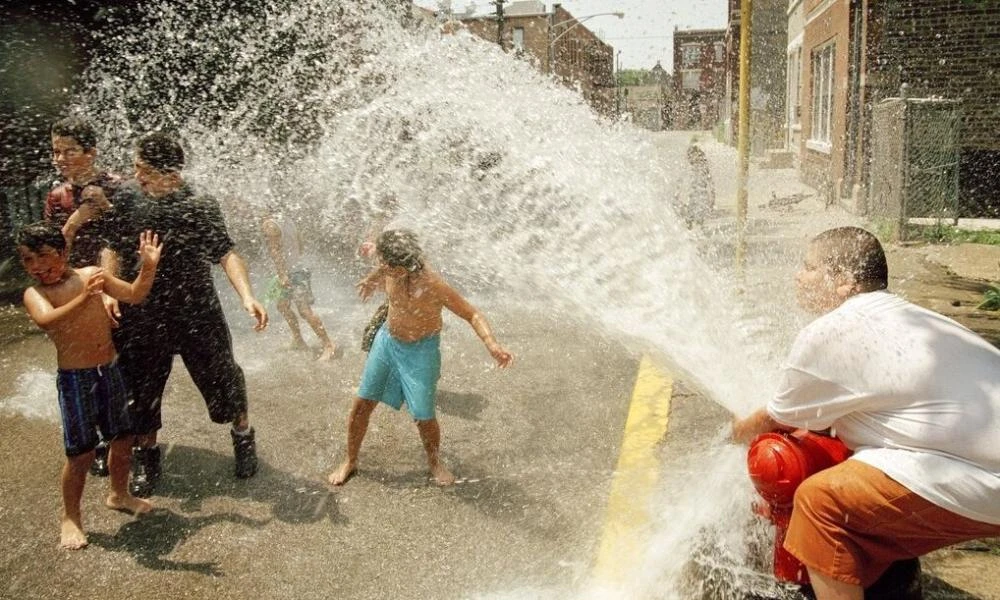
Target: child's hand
367	249
368	285
95	285
504	359
150	248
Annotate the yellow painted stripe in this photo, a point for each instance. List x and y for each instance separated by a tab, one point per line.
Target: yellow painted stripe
626	524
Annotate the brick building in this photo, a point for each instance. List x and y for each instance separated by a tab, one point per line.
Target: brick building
857	53
699	78
557	43
768	43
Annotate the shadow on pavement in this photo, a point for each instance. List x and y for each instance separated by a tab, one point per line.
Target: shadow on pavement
151	537
193	474
464	406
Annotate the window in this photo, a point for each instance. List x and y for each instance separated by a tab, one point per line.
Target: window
691	79
690	55
720	52
795	87
519	39
822	96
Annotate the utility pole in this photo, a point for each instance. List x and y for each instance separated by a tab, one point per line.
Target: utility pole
499	4
743	141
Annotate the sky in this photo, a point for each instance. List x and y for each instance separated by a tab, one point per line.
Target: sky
644	35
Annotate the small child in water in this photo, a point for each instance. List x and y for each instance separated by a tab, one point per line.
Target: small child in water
404	362
66	303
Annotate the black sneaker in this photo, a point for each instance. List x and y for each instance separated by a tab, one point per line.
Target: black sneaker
245	451
145	471
99	468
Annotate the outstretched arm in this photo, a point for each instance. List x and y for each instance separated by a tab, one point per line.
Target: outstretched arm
372	281
150	248
454	302
236	270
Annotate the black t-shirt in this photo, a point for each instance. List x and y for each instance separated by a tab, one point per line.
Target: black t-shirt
194	236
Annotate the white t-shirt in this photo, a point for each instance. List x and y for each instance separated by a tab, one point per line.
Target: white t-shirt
913	393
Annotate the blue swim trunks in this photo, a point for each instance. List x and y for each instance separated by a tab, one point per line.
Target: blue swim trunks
92	400
403	371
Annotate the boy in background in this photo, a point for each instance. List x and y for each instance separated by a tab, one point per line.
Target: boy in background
292	281
93	398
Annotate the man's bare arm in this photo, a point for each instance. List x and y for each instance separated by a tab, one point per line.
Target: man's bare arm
236	270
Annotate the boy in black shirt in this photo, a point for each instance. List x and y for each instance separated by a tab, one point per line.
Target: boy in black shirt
183	314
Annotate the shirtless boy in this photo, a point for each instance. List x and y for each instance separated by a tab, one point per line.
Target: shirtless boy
66	303
404	362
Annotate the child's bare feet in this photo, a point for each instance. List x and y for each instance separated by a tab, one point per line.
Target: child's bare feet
441	475
73	537
297	346
327	354
128	502
343	473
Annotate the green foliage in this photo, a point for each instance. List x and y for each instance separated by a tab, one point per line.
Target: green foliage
947	234
633	76
991	298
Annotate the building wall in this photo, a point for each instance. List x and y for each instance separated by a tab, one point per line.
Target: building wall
699	108
950	49
768	43
578	57
822	166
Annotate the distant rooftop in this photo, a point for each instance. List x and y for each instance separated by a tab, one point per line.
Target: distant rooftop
520	8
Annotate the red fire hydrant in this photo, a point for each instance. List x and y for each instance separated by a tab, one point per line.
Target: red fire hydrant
778	463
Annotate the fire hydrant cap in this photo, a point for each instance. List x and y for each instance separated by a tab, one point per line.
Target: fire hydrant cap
776	466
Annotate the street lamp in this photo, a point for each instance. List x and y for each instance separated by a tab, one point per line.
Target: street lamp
576	21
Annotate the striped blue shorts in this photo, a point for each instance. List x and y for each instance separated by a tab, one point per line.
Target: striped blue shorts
94	406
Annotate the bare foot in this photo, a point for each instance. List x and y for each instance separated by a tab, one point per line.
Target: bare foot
343	473
297	346
327	354
441	475
73	537
129	503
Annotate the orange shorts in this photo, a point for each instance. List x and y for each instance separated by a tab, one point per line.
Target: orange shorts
851	521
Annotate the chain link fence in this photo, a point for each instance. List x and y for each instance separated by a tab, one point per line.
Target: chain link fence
915	162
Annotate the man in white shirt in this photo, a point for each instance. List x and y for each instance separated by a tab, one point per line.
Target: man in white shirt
914	394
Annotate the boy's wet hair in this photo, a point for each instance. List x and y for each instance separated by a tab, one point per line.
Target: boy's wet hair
857	252
160	151
400	248
37	235
79	129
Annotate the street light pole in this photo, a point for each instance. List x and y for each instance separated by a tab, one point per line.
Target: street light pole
743	140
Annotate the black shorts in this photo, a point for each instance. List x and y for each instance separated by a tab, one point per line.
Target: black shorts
201	337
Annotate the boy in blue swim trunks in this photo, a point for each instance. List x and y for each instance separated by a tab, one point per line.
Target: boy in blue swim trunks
404	362
66	303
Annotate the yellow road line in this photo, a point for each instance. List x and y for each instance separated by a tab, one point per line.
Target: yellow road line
626	524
